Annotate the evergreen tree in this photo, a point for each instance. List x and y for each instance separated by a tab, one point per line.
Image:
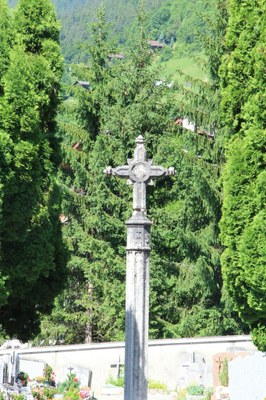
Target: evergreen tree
84	310
5	145
33	255
97	208
5	38
243	220
199	304
124	101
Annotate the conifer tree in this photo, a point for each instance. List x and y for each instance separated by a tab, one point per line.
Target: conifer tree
5	38
243	219
84	310
199	304
97	208
5	157
124	101
33	255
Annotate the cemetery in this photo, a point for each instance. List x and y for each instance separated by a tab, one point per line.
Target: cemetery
101	300
199	368
176	368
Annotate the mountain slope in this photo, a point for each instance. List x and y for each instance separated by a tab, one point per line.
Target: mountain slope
76	15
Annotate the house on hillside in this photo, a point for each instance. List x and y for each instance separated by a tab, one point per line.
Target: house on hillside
83	84
118	56
185	123
155	45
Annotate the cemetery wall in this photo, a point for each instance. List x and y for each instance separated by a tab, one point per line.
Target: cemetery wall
174	362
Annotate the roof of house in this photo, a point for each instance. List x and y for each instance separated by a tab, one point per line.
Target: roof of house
118	56
155	43
84	84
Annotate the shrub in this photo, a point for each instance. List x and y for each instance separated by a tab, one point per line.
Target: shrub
195	389
223	376
116	382
157	385
208	394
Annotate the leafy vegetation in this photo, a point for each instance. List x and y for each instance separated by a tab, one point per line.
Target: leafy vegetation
99	127
111	103
243	106
32	251
224	376
195	390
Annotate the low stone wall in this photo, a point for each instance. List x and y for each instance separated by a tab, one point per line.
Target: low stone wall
174	362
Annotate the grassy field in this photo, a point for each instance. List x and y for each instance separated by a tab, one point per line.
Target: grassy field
178	67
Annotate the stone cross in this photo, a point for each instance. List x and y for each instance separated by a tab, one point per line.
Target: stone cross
139	172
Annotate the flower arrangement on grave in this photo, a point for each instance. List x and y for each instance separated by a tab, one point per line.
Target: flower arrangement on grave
39	379
84	392
49	375
43	392
72	383
37	393
22	378
195	390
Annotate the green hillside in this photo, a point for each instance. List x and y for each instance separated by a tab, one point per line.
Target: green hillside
175	23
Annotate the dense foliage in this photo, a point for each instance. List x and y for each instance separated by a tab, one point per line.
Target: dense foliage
243	221
100	126
32	253
171	21
111	103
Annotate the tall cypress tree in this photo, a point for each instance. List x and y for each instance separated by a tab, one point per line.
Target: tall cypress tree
5	142
33	256
243	220
6	36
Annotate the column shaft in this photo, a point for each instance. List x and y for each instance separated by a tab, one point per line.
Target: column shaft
137	309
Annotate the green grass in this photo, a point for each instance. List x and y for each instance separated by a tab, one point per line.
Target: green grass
189	64
151	384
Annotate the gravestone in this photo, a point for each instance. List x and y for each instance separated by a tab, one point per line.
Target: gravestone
34	368
193	370
84	375
247	377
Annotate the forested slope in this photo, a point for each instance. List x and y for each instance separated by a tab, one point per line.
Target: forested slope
172	21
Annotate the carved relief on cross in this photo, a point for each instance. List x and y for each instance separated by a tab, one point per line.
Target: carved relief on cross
139	172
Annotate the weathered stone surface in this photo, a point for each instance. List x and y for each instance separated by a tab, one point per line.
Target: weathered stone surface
139	172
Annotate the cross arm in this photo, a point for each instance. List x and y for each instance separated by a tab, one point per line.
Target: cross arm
122	172
158	171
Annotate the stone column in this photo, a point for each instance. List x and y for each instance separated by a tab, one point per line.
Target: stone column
137	307
139	172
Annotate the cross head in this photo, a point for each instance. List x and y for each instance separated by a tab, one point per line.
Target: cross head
140	173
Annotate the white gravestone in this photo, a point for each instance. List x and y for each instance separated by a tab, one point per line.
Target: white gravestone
247	377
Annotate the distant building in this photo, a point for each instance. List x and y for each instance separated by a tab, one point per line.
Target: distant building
83	84
63	219
117	56
155	45
191	126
